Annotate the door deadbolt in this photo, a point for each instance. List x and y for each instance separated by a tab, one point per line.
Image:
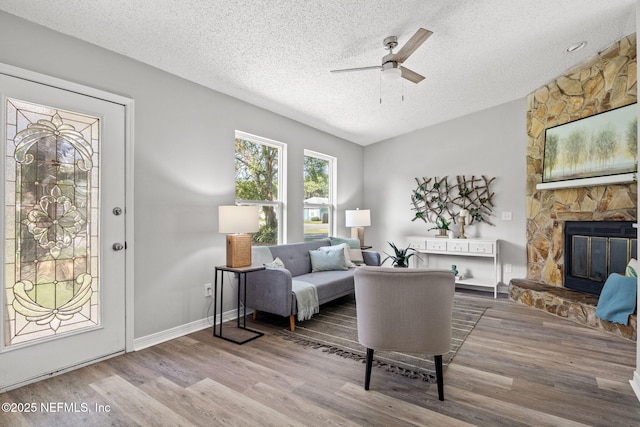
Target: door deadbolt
117	211
118	246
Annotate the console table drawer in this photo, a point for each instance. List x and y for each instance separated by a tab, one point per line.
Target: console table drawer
417	244
436	245
481	247
457	246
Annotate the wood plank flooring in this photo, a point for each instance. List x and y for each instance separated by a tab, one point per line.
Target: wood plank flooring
518	367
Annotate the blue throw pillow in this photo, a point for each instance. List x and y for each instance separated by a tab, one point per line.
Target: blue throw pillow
327	260
617	299
353	243
355	254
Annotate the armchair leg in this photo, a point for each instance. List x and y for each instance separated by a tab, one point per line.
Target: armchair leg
255	314
439	378
367	375
292	322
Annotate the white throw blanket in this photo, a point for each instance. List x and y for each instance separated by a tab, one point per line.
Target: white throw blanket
307	298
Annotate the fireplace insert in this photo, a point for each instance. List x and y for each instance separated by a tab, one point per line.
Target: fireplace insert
595	249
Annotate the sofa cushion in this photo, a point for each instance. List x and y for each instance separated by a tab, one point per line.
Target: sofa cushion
331	284
295	256
327	260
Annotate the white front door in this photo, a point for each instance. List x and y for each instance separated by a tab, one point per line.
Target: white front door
63	302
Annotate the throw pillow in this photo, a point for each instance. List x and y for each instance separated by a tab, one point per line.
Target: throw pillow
632	268
617	299
352	242
343	247
355	254
276	263
327	260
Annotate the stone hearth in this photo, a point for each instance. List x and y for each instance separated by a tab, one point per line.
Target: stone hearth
562	302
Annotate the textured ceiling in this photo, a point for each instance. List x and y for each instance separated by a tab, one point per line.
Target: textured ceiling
277	53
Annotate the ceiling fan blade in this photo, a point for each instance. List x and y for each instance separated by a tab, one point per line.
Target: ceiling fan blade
346	70
412	76
414	42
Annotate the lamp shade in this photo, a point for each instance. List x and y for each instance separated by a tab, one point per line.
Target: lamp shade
238	219
358	218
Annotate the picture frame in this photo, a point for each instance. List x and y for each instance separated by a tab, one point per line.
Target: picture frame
594	150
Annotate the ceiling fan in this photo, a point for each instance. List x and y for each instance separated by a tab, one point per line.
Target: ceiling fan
391	67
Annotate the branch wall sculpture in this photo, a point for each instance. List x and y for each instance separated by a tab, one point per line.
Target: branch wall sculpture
437	198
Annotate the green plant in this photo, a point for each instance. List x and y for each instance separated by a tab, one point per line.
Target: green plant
441	224
401	256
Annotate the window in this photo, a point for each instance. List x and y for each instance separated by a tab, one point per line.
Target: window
260	166
319	195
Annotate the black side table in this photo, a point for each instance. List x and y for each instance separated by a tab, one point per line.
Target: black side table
242	283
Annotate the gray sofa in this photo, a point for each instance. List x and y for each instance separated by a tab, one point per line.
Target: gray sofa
270	290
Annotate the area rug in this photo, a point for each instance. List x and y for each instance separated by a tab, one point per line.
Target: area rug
334	330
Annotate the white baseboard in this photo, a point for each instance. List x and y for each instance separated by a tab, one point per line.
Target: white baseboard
178	331
635	383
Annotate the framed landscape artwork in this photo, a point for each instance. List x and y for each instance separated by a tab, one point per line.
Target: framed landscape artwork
605	144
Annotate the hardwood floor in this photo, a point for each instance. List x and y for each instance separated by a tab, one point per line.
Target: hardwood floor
519	367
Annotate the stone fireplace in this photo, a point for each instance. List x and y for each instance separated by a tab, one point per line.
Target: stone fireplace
602	83
605	82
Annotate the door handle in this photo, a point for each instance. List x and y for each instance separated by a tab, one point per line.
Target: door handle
118	246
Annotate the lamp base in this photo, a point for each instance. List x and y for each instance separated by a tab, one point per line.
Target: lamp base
238	250
358	233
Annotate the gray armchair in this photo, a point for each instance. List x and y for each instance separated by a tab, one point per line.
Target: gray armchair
406	310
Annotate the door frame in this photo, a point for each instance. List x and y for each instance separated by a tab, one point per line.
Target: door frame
128	104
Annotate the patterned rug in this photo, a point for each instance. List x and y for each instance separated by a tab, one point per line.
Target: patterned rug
334	330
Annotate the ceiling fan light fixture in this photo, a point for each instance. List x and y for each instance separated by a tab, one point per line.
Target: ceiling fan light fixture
391	73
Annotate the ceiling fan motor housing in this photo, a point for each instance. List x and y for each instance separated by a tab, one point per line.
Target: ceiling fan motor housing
390	42
388	64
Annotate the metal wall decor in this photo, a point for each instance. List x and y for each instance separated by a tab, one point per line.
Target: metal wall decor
438	198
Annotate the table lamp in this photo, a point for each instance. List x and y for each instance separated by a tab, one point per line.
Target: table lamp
357	220
237	222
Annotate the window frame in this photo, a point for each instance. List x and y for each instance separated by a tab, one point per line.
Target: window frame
333	190
280	202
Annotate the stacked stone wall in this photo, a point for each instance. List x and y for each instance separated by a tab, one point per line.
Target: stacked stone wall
605	82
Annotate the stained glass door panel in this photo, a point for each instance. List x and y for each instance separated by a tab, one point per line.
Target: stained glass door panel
63	285
52	281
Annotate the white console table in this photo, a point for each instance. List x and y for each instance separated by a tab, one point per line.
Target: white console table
483	248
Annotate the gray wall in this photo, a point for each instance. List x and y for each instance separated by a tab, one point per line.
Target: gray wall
490	142
184	169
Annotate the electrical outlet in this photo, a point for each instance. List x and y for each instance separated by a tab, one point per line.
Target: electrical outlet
208	290
507	268
507	216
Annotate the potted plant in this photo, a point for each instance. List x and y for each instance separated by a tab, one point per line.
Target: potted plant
401	256
442	225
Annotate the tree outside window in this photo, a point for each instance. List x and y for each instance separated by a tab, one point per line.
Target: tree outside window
319	181
258	182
